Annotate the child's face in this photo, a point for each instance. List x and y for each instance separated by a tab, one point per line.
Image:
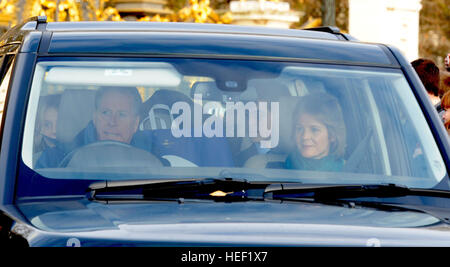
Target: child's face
49	123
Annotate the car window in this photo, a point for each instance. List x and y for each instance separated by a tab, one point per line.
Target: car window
92	119
5	75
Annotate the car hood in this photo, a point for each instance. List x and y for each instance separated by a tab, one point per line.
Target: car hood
84	223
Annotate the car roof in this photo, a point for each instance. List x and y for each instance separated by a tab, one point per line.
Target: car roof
188	27
325	44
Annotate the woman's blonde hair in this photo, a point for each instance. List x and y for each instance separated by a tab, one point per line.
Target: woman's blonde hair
445	104
445	100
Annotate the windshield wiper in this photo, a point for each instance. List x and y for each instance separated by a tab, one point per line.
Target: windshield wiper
235	190
372	196
347	191
218	189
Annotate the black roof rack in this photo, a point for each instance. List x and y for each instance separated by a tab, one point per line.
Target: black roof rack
329	29
15	34
39	19
333	30
41	22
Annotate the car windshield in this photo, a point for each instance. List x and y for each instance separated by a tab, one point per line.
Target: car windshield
93	119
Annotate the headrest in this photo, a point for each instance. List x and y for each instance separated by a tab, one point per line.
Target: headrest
155	112
75	111
287	105
270	90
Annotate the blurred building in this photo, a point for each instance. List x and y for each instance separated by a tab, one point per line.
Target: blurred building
394	22
133	9
263	13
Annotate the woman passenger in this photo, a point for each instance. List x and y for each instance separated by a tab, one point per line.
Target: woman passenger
319	134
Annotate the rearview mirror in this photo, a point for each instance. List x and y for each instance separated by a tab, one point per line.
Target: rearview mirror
208	90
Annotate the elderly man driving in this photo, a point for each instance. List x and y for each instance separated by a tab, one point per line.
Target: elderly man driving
116	118
116	115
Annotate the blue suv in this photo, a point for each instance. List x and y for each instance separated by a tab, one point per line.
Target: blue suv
173	134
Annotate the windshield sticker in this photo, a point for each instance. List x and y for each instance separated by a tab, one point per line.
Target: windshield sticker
119	72
73	242
373	242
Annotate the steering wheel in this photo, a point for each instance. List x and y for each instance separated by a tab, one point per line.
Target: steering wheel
110	154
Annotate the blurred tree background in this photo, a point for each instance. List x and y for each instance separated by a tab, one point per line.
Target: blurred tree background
434	29
434	35
314	12
434	39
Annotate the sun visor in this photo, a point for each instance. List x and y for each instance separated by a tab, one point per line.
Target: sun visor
157	77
